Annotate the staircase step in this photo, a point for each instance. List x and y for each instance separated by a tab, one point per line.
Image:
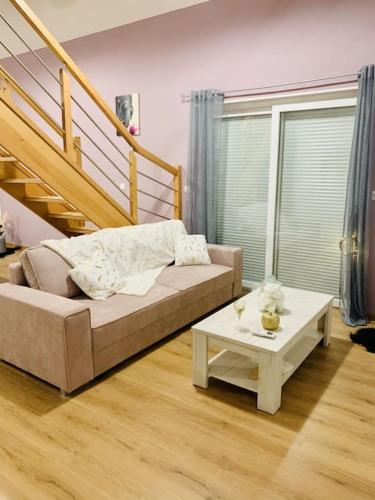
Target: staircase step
44	199
67	215
21	180
82	230
8	158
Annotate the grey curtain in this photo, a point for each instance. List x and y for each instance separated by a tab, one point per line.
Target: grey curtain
200	207
354	248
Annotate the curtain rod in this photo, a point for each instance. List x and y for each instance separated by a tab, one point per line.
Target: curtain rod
245	92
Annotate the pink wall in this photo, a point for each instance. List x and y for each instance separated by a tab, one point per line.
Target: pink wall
223	44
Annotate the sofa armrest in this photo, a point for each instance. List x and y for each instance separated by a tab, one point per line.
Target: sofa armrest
16	274
46	335
231	257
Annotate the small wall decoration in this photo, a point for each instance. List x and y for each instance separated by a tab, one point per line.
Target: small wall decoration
127	110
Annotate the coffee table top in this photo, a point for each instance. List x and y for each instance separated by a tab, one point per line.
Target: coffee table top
301	308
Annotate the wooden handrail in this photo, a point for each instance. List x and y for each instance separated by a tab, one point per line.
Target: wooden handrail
76	72
30	101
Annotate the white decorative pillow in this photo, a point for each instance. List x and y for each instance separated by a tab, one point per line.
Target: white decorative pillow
191	250
98	280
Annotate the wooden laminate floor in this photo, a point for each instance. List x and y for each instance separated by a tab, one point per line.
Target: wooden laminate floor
144	432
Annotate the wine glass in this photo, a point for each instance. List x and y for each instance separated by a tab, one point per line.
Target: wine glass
239	307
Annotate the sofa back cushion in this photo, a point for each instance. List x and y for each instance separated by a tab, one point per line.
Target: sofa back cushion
45	270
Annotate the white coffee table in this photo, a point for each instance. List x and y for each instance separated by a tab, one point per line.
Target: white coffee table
306	321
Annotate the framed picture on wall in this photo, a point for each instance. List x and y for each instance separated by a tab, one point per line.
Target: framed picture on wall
127	110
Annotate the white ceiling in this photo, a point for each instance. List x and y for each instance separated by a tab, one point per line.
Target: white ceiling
69	19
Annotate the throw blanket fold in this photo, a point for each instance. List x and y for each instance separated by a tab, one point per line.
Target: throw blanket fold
123	260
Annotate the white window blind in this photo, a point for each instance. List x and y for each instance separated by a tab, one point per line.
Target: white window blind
243	189
313	167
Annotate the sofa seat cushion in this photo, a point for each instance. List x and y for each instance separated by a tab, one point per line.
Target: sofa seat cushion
121	315
46	270
195	282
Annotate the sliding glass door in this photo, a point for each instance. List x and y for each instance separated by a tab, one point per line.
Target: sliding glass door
312	176
282	189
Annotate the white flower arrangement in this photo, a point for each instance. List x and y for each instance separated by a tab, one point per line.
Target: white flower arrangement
271	297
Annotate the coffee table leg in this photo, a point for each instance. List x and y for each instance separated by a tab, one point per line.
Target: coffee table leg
324	325
200	360
269	383
327	325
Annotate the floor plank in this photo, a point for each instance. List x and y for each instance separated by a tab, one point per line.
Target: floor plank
144	431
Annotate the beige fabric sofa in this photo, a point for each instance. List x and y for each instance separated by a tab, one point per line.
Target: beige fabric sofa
51	330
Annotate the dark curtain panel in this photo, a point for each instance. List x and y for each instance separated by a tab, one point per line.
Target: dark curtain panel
354	255
200	209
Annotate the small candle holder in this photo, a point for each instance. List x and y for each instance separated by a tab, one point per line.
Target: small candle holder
270	320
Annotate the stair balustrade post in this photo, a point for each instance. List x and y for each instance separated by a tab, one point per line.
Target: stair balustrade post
133	186
66	111
177	184
77	150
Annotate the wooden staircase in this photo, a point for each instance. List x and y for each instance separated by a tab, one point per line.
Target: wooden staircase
32	192
50	178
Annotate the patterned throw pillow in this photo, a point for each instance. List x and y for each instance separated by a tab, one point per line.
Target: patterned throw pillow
97	279
191	250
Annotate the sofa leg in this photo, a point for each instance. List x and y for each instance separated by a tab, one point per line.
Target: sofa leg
63	394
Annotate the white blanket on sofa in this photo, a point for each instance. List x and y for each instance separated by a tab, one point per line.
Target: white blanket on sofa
123	260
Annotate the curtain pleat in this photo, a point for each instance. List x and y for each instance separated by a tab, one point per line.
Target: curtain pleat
203	160
355	243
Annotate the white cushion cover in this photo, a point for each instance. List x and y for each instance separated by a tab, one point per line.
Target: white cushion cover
191	250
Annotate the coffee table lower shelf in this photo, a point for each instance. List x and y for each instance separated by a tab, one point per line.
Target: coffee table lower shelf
236	368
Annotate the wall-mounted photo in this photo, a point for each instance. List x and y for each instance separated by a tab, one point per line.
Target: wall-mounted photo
127	110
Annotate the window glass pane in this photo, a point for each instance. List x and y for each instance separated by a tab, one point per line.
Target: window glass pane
314	160
243	189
